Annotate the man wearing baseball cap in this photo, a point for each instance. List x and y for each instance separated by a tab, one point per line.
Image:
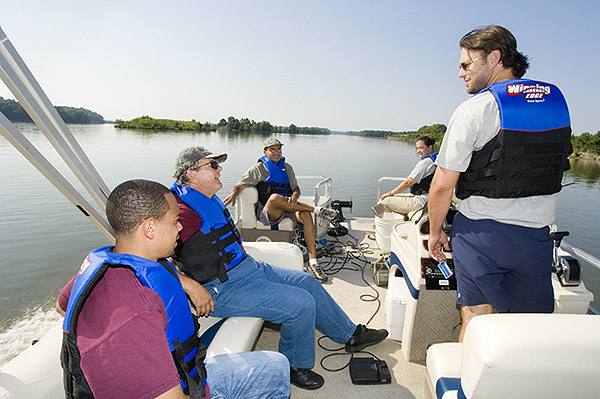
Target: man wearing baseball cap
232	283
278	194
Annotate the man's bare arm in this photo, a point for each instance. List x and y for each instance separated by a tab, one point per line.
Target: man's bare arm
173	393
59	309
440	198
293	199
199	295
235	191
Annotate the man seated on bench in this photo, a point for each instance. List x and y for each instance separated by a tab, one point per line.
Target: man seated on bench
418	181
278	194
128	323
232	283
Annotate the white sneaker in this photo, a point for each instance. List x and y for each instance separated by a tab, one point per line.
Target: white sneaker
328	214
316	271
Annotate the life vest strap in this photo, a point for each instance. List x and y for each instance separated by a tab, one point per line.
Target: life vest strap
188	370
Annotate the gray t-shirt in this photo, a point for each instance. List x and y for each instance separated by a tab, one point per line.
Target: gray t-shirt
474	123
422	169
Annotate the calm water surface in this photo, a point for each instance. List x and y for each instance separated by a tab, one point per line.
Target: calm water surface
44	238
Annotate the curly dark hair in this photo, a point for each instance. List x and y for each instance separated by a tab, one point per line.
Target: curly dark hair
134	201
494	37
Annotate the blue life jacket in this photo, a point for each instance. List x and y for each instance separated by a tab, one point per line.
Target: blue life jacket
530	153
422	187
187	350
217	246
278	181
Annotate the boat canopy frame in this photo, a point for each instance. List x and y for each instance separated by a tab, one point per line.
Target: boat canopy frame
20	81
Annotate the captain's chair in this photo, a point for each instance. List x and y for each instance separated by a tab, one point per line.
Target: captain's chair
253	230
519	356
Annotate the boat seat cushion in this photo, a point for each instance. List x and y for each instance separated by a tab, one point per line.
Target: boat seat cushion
281	254
443	369
235	335
523	356
247	202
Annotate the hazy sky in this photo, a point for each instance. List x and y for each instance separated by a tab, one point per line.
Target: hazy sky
344	65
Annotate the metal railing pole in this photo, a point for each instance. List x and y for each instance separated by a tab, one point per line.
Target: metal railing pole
21	82
28	150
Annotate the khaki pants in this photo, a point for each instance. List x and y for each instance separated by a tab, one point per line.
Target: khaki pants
399	203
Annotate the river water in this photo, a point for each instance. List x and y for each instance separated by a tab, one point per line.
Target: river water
44	238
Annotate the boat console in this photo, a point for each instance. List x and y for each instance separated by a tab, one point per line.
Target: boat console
427	290
570	294
431	314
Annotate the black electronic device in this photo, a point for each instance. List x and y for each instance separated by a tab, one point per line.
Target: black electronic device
369	371
435	279
338	205
337	231
568	271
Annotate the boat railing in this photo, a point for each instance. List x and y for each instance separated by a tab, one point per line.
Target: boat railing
581	254
322	188
386	179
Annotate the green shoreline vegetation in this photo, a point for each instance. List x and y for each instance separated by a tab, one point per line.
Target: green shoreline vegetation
15	113
231	124
585	146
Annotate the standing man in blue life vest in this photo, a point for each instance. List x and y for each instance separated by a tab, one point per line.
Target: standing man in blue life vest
129	330
418	181
232	283
505	151
278	194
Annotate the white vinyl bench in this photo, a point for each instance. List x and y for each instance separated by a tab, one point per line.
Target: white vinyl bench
36	372
519	356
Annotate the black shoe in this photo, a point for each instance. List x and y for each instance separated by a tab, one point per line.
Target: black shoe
306	378
364	337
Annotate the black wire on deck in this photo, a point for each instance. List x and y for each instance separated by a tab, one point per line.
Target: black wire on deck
331	355
350	255
339	255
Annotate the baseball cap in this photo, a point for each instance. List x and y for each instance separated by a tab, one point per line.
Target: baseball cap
188	158
271	141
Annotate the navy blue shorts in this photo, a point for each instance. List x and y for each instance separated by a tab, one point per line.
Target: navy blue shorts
503	265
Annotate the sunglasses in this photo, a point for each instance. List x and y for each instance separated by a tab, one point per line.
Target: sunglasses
213	164
465	65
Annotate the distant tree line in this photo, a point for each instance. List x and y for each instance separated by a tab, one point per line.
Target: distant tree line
586	143
293	129
231	124
149	123
435	131
15	113
244	125
378	133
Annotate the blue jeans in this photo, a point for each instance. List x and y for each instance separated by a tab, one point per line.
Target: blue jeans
292	298
250	375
